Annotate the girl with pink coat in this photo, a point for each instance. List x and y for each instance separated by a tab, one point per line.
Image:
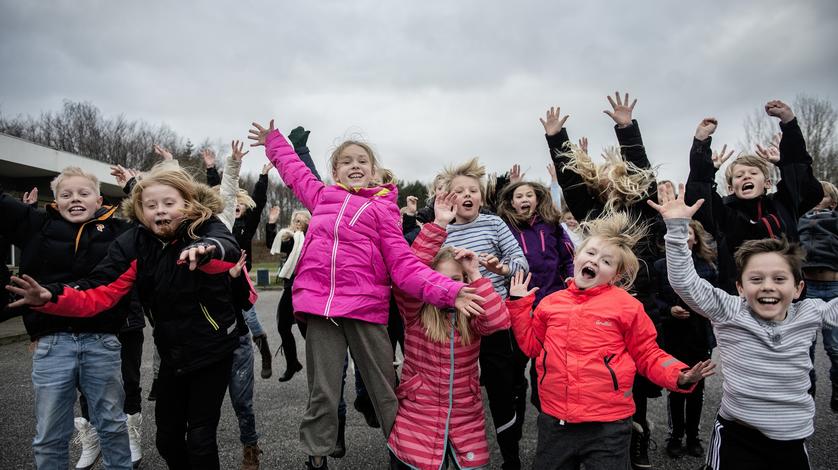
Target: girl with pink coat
353	251
440	419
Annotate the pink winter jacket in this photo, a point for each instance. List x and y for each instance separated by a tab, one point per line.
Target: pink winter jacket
353	248
439	396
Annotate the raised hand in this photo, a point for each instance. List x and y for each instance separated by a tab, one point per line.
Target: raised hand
298	137
706	128
778	109
551	169
620	109
30	197
267	167
515	174
412	205
470	263
273	215
236	270
552	122
122	174
493	264
719	158
696	373
193	254
518	285
445	209
770	153
468	302
679	312
259	133
30	292
163	153
209	158
672	207
237	150
583	144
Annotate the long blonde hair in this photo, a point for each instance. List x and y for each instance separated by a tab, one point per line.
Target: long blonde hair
201	201
435	322
620	230
617	183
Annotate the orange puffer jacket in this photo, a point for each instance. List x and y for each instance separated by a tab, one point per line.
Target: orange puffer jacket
588	344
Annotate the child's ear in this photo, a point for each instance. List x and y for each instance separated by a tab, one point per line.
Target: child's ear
799	290
740	290
100	201
729	189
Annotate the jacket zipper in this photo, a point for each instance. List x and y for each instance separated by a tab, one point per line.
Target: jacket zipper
541	234
208	317
523	242
453	316
607	360
358	214
332	273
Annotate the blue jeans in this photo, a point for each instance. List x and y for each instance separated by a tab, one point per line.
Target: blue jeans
90	362
253	322
241	390
826	291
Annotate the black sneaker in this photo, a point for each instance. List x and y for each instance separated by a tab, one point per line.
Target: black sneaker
833	403
674	448
152	394
695	448
639	450
364	405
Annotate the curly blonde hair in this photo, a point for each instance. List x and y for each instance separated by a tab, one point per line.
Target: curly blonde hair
202	202
617	183
622	231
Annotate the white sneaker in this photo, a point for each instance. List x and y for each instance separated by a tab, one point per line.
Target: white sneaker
135	441
89	440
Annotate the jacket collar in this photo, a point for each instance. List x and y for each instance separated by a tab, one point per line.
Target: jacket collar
586	293
387	191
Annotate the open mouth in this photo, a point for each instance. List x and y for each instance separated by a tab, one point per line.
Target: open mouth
356	175
468	204
525	207
588	273
163	222
768	300
77	210
748	186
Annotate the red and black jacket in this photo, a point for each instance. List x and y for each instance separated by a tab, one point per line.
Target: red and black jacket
194	313
55	250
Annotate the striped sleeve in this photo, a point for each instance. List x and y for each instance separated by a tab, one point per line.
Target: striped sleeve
511	252
700	295
495	316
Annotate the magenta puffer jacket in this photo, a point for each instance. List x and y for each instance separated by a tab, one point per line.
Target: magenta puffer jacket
353	248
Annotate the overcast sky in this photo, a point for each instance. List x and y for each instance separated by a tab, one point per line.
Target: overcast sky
427	83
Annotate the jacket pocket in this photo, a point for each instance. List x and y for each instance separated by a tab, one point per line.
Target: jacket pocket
407	389
607	361
209	318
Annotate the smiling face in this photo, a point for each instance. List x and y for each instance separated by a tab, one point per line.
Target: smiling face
570	221
524	200
768	285
353	167
469	198
163	208
596	263
748	182
77	199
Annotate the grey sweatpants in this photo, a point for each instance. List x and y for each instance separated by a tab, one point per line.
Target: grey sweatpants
326	343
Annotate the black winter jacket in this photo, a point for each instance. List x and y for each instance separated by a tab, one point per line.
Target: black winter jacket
193	311
818	232
54	250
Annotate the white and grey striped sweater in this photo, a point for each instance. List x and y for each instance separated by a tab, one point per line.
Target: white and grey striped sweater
489	234
765	364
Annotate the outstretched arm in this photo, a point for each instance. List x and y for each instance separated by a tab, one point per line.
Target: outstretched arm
529	329
628	132
578	199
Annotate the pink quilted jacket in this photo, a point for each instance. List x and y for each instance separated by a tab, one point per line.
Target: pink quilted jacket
354	249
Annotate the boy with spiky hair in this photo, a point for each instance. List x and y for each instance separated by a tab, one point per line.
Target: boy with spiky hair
766	412
749	212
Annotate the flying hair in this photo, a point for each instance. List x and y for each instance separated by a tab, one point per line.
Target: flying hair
622	231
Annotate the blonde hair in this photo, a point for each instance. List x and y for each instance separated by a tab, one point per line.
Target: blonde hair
702	246
243	197
436	322
617	183
303	213
333	159
471	169
69	172
747	160
830	191
202	202
439	179
623	232
387	176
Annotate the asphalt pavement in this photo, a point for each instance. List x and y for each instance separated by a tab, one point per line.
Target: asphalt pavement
279	407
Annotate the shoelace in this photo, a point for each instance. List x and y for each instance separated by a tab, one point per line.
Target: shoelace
83	436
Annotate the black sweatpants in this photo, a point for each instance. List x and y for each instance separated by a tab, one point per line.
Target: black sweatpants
502	366
685	412
566	446
284	323
737	447
187	412
132	358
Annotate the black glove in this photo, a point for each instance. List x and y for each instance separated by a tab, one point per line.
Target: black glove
298	137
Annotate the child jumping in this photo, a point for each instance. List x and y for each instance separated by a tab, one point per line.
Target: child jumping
440	420
764	338
589	340
353	248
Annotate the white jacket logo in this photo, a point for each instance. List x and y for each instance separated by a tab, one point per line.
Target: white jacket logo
603	323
